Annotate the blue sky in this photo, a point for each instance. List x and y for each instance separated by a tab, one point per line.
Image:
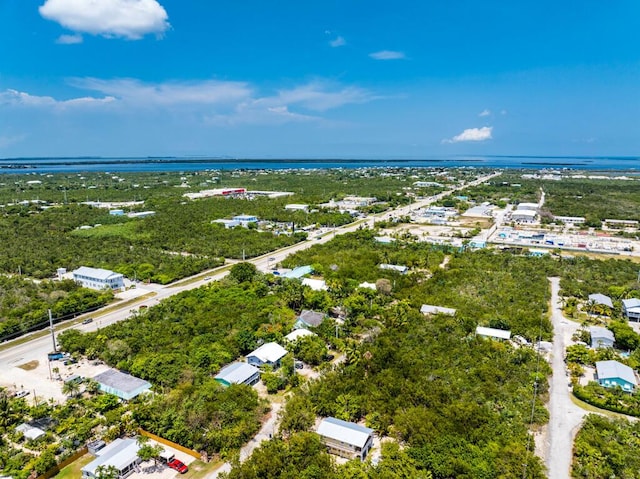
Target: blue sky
332	78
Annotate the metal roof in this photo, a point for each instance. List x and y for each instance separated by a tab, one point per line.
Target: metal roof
120	453
493	333
315	284
237	373
599	332
122	382
297	334
97	273
30	432
614	369
298	272
269	353
344	431
312	318
430	309
598	298
631	303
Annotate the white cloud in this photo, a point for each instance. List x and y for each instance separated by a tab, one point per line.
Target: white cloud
218	102
472	134
135	92
18	98
338	42
319	96
503	112
484	112
131	19
387	55
70	39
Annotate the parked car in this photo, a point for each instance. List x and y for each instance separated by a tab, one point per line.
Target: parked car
87	321
178	466
21	394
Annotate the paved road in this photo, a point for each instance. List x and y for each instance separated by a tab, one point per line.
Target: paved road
38	347
565	417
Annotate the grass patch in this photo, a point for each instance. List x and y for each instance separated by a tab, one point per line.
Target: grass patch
596	410
200	470
31	365
128	230
73	470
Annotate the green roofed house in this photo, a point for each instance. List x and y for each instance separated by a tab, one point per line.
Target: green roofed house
238	373
123	385
613	373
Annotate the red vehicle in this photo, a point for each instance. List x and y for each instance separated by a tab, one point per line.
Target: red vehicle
178	466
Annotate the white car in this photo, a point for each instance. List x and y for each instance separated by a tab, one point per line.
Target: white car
21	394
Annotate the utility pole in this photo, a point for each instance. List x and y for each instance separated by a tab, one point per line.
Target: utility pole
53	336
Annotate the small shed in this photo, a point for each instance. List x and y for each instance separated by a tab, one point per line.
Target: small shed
268	353
238	373
601	337
493	333
123	385
345	439
612	374
430	309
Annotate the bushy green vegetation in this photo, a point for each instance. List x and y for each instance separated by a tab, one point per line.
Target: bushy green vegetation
69	426
606	448
24	303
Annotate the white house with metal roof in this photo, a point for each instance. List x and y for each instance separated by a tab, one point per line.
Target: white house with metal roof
431	309
268	353
394	267
601	337
493	333
97	278
612	374
121	454
345	439
631	308
238	373
601	299
315	284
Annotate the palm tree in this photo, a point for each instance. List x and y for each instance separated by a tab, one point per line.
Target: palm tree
71	388
7	414
107	472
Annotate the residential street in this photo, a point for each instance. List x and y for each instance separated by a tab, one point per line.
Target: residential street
565	417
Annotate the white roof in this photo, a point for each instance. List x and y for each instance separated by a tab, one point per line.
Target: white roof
97	273
121	454
527	205
598	332
297	334
601	299
493	333
430	309
237	373
269	353
30	432
394	267
530	213
614	369
631	303
344	431
367	285
315	284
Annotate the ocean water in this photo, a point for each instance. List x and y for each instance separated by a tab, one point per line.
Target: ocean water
95	164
